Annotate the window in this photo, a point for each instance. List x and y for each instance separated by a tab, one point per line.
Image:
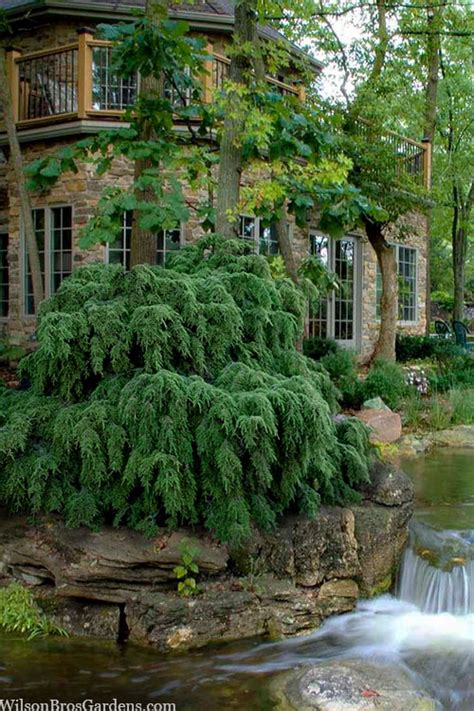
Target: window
179	94
336	316
53	229
4	280
119	252
109	91
264	238
407	277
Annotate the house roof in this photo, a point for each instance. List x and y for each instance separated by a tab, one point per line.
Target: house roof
211	14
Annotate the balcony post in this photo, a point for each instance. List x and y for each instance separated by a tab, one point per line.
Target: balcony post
301	92
84	73
207	76
427	157
13	75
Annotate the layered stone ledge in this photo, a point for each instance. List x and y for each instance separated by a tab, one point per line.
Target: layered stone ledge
118	584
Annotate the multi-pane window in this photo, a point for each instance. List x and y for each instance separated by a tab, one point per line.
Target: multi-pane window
53	230
110	92
318	320
406	283
264	239
407	276
335	316
119	252
4	280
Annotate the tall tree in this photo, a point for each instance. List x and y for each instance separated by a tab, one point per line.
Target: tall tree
16	164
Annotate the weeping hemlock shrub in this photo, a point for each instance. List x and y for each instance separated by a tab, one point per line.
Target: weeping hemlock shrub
176	396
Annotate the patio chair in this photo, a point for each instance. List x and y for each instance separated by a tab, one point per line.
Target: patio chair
442	329
461	333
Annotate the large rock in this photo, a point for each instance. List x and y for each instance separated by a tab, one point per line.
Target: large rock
110	565
280	583
350	685
386	425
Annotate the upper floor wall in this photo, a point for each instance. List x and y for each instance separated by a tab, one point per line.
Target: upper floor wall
62	81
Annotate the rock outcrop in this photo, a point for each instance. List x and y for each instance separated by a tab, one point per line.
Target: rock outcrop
350	685
277	584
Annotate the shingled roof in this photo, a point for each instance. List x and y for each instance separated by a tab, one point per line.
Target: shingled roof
220	12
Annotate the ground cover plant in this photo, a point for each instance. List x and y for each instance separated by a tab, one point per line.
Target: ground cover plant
176	396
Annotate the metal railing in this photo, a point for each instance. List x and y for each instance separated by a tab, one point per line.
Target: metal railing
47	84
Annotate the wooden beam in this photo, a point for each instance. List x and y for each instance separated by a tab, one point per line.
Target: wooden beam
84	73
13	75
207	75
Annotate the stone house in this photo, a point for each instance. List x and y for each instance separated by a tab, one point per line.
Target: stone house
63	88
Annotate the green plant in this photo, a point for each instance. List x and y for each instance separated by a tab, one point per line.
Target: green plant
176	396
20	613
386	380
10	352
462	404
413	411
439	413
316	347
187	585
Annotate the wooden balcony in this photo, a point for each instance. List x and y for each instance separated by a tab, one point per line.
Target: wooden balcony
77	82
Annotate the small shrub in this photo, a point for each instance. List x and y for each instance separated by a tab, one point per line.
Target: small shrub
20	613
455	370
316	348
414	347
386	380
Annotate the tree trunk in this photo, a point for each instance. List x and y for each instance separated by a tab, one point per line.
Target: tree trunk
143	243
434	15
286	249
230	163
16	162
385	346
460	229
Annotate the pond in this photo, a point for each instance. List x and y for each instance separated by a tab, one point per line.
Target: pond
427	626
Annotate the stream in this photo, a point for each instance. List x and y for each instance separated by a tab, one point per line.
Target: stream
427	626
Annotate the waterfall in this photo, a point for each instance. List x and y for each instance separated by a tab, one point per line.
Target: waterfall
437	571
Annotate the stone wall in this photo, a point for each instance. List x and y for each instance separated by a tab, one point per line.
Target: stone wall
115	583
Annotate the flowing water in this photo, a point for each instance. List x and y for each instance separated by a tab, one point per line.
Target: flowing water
427	627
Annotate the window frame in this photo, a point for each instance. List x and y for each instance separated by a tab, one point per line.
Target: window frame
5	233
400	321
126	251
48	255
257	234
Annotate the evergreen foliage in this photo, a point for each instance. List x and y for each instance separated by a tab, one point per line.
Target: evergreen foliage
176	396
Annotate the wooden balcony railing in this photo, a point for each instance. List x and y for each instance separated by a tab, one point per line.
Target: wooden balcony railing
77	81
411	158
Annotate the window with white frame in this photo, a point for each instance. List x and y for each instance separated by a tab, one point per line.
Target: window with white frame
4	277
407	277
53	230
118	252
265	239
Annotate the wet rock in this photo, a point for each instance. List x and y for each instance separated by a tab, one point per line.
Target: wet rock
350	685
386	426
382	534
388	486
461	436
83	620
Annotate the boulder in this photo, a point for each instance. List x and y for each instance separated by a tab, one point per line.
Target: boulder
350	685
375	403
386	425
388	486
98	620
